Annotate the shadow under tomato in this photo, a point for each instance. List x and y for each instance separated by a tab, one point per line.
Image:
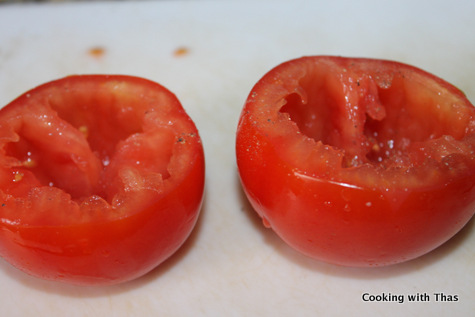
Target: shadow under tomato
296	257
70	290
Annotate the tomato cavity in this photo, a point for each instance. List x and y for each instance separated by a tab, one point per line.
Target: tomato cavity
390	120
81	144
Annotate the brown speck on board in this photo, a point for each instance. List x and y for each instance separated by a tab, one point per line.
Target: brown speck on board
181	51
97	51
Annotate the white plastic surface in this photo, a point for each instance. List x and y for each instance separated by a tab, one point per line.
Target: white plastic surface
232	265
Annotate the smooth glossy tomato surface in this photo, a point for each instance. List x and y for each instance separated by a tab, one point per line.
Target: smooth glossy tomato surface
101	178
358	162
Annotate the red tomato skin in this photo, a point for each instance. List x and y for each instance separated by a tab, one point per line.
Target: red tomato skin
356	227
112	252
356	224
105	249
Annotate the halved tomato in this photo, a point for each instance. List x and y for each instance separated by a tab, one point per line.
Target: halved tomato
358	162
101	178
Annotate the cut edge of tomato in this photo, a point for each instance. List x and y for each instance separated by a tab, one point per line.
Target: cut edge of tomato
356	148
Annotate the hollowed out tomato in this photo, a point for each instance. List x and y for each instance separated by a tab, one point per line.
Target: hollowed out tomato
358	162
101	178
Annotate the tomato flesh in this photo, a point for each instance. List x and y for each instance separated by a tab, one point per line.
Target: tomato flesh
358	162
101	178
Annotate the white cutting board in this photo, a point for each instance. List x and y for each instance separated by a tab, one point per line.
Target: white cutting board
232	265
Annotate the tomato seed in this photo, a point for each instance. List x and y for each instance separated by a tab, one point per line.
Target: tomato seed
18	176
